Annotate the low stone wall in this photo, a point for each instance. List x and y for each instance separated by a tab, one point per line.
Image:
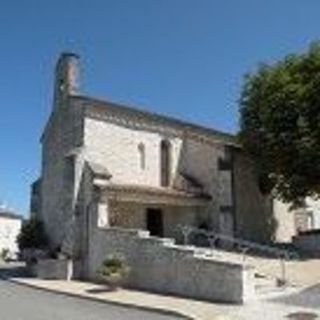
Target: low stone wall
308	242
160	265
53	269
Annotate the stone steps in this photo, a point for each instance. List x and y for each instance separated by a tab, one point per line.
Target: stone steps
268	271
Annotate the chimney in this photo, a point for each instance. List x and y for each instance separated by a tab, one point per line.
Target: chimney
66	77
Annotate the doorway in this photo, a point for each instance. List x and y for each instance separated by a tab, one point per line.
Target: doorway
154	222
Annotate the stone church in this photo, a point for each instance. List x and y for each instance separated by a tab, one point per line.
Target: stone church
136	169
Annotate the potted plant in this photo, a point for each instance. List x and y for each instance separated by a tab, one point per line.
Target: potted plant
113	271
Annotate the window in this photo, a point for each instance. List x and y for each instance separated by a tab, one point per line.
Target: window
165	163
142	156
225	163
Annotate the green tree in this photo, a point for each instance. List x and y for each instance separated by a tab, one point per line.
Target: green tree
280	125
32	235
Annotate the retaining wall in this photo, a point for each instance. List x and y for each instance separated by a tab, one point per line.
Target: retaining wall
53	269
159	265
308	241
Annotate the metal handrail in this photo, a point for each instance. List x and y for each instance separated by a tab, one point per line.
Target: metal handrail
244	245
188	230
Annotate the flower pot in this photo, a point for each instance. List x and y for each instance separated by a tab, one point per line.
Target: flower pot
113	281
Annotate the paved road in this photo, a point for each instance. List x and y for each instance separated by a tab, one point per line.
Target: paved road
22	303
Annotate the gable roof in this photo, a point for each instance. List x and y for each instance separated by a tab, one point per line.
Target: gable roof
102	106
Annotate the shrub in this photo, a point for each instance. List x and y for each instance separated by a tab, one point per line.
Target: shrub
32	235
5	254
113	269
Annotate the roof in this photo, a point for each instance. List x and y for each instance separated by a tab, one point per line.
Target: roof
99	170
102	105
164	191
9	215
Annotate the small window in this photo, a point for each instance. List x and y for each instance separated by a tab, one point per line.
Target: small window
142	156
165	163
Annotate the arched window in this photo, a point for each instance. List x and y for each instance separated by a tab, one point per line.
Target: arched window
142	156
165	163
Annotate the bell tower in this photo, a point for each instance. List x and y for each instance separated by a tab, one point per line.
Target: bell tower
66	78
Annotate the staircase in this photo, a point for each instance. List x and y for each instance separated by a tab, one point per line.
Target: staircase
270	262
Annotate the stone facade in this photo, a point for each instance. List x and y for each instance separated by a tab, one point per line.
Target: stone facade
35	198
82	130
161	266
132	215
308	242
53	269
136	169
109	143
255	217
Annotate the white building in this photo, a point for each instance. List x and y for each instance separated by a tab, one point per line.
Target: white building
10	226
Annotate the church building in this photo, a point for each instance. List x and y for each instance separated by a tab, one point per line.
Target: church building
136	169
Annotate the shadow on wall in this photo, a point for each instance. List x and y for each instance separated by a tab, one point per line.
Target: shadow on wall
191	174
254	211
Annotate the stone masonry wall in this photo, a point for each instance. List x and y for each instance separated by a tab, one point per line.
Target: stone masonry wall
116	147
308	242
133	215
63	134
254	212
158	265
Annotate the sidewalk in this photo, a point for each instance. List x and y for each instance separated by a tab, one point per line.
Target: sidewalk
192	309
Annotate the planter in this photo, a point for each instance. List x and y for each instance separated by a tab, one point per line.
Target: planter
114	281
113	271
53	269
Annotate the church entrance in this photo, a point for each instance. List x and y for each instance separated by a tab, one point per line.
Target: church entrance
154	222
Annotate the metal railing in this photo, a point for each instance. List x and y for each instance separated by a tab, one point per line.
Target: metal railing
215	239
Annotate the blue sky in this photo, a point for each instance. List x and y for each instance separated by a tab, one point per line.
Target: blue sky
184	58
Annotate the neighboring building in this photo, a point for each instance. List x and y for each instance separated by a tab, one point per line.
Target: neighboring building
137	169
10	226
312	210
296	220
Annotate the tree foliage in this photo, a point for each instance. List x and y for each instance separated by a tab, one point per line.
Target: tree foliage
32	235
280	125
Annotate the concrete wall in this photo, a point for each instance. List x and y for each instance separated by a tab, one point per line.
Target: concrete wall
158	265
9	230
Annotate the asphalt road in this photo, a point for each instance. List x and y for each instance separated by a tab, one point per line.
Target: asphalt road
18	302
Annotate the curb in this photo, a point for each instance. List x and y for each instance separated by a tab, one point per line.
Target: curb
115	303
